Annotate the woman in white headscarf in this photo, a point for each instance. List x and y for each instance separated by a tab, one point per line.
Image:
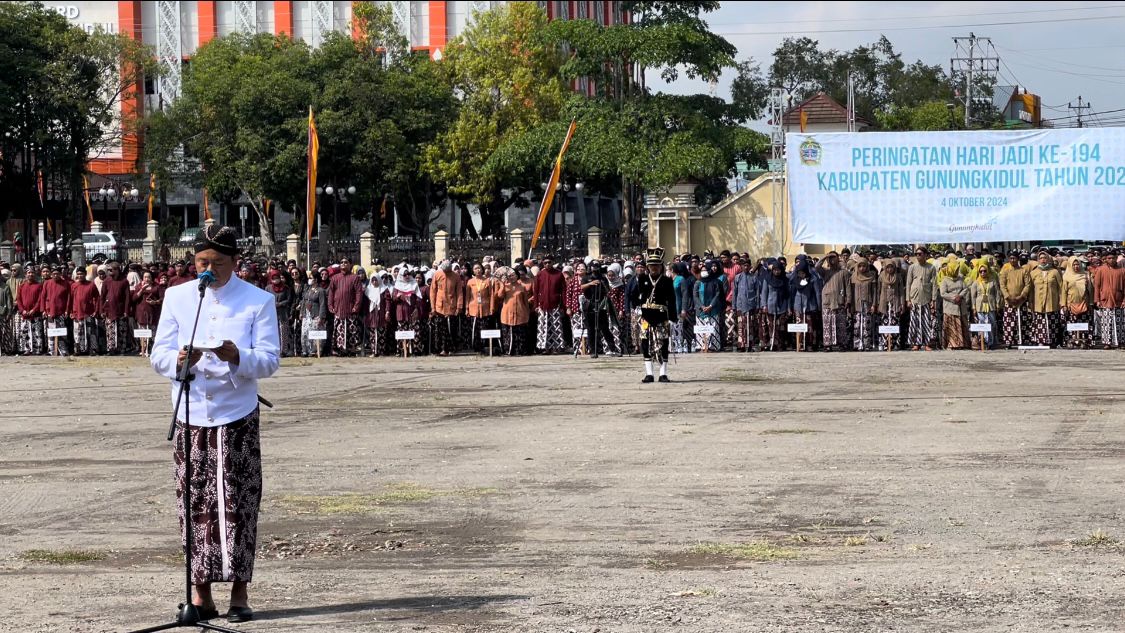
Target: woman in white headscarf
618	318
408	310
378	293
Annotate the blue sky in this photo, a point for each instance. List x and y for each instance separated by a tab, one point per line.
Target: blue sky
1058	50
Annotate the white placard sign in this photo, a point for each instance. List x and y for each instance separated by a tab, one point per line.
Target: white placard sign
142	333
318	335
1077	327
963	186
487	334
53	332
980	327
704	330
800	328
404	335
890	329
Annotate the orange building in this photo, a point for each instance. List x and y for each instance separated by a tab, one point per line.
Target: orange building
176	30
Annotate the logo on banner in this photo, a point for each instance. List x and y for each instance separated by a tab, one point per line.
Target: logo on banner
811	152
975	228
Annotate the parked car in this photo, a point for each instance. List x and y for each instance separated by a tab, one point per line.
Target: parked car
187	238
100	246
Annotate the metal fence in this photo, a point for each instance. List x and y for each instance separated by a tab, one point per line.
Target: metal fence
411	250
614	244
499	248
561	247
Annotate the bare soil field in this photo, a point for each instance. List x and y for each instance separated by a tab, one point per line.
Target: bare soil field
757	493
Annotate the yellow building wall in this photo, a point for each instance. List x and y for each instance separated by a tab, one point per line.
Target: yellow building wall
747	224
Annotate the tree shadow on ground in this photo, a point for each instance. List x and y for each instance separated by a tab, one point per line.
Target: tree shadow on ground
422	604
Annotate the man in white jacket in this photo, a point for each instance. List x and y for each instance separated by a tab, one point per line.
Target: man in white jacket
236	344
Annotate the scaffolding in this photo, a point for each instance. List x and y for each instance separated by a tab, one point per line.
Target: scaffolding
245	17
169	51
776	113
321	22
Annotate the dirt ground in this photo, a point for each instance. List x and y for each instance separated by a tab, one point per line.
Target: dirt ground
787	492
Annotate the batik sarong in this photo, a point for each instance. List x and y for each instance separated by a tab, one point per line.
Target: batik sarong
954	331
310	347
56	345
549	334
835	328
86	336
511	339
1045	328
775	331
32	337
864	332
891	320
746	324
990	337
347	335
1110	326
1016	326
226	491
923	326
443	335
711	342
117	336
1078	338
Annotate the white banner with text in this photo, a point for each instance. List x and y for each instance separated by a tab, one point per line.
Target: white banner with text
966	186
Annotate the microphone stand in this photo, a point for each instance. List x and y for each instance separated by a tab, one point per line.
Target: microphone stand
188	615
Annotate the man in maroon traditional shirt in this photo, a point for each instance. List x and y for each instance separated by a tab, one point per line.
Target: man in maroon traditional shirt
345	293
115	310
54	302
28	301
84	301
549	289
182	275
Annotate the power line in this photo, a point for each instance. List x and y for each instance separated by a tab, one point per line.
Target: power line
1059	61
920	17
1090	114
922	28
1072	73
968	63
1079	108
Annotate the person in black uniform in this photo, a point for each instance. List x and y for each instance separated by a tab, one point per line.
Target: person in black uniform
595	289
656	298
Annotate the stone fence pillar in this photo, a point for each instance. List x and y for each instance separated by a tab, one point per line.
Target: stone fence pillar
366	249
293	248
441	245
150	244
518	250
594	242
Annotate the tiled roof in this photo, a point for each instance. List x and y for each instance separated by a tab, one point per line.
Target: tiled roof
820	108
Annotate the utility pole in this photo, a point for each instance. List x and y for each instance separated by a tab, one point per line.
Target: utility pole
1079	108
851	102
975	58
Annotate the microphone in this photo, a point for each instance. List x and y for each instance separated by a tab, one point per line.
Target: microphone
206	278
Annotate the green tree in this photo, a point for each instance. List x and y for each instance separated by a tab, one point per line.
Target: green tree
629	139
61	91
928	116
241	119
883	82
506	77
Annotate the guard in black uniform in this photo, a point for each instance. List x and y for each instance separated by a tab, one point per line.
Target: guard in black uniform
595	290
656	297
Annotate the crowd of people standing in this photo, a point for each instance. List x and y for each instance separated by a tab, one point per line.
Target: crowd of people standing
846	301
